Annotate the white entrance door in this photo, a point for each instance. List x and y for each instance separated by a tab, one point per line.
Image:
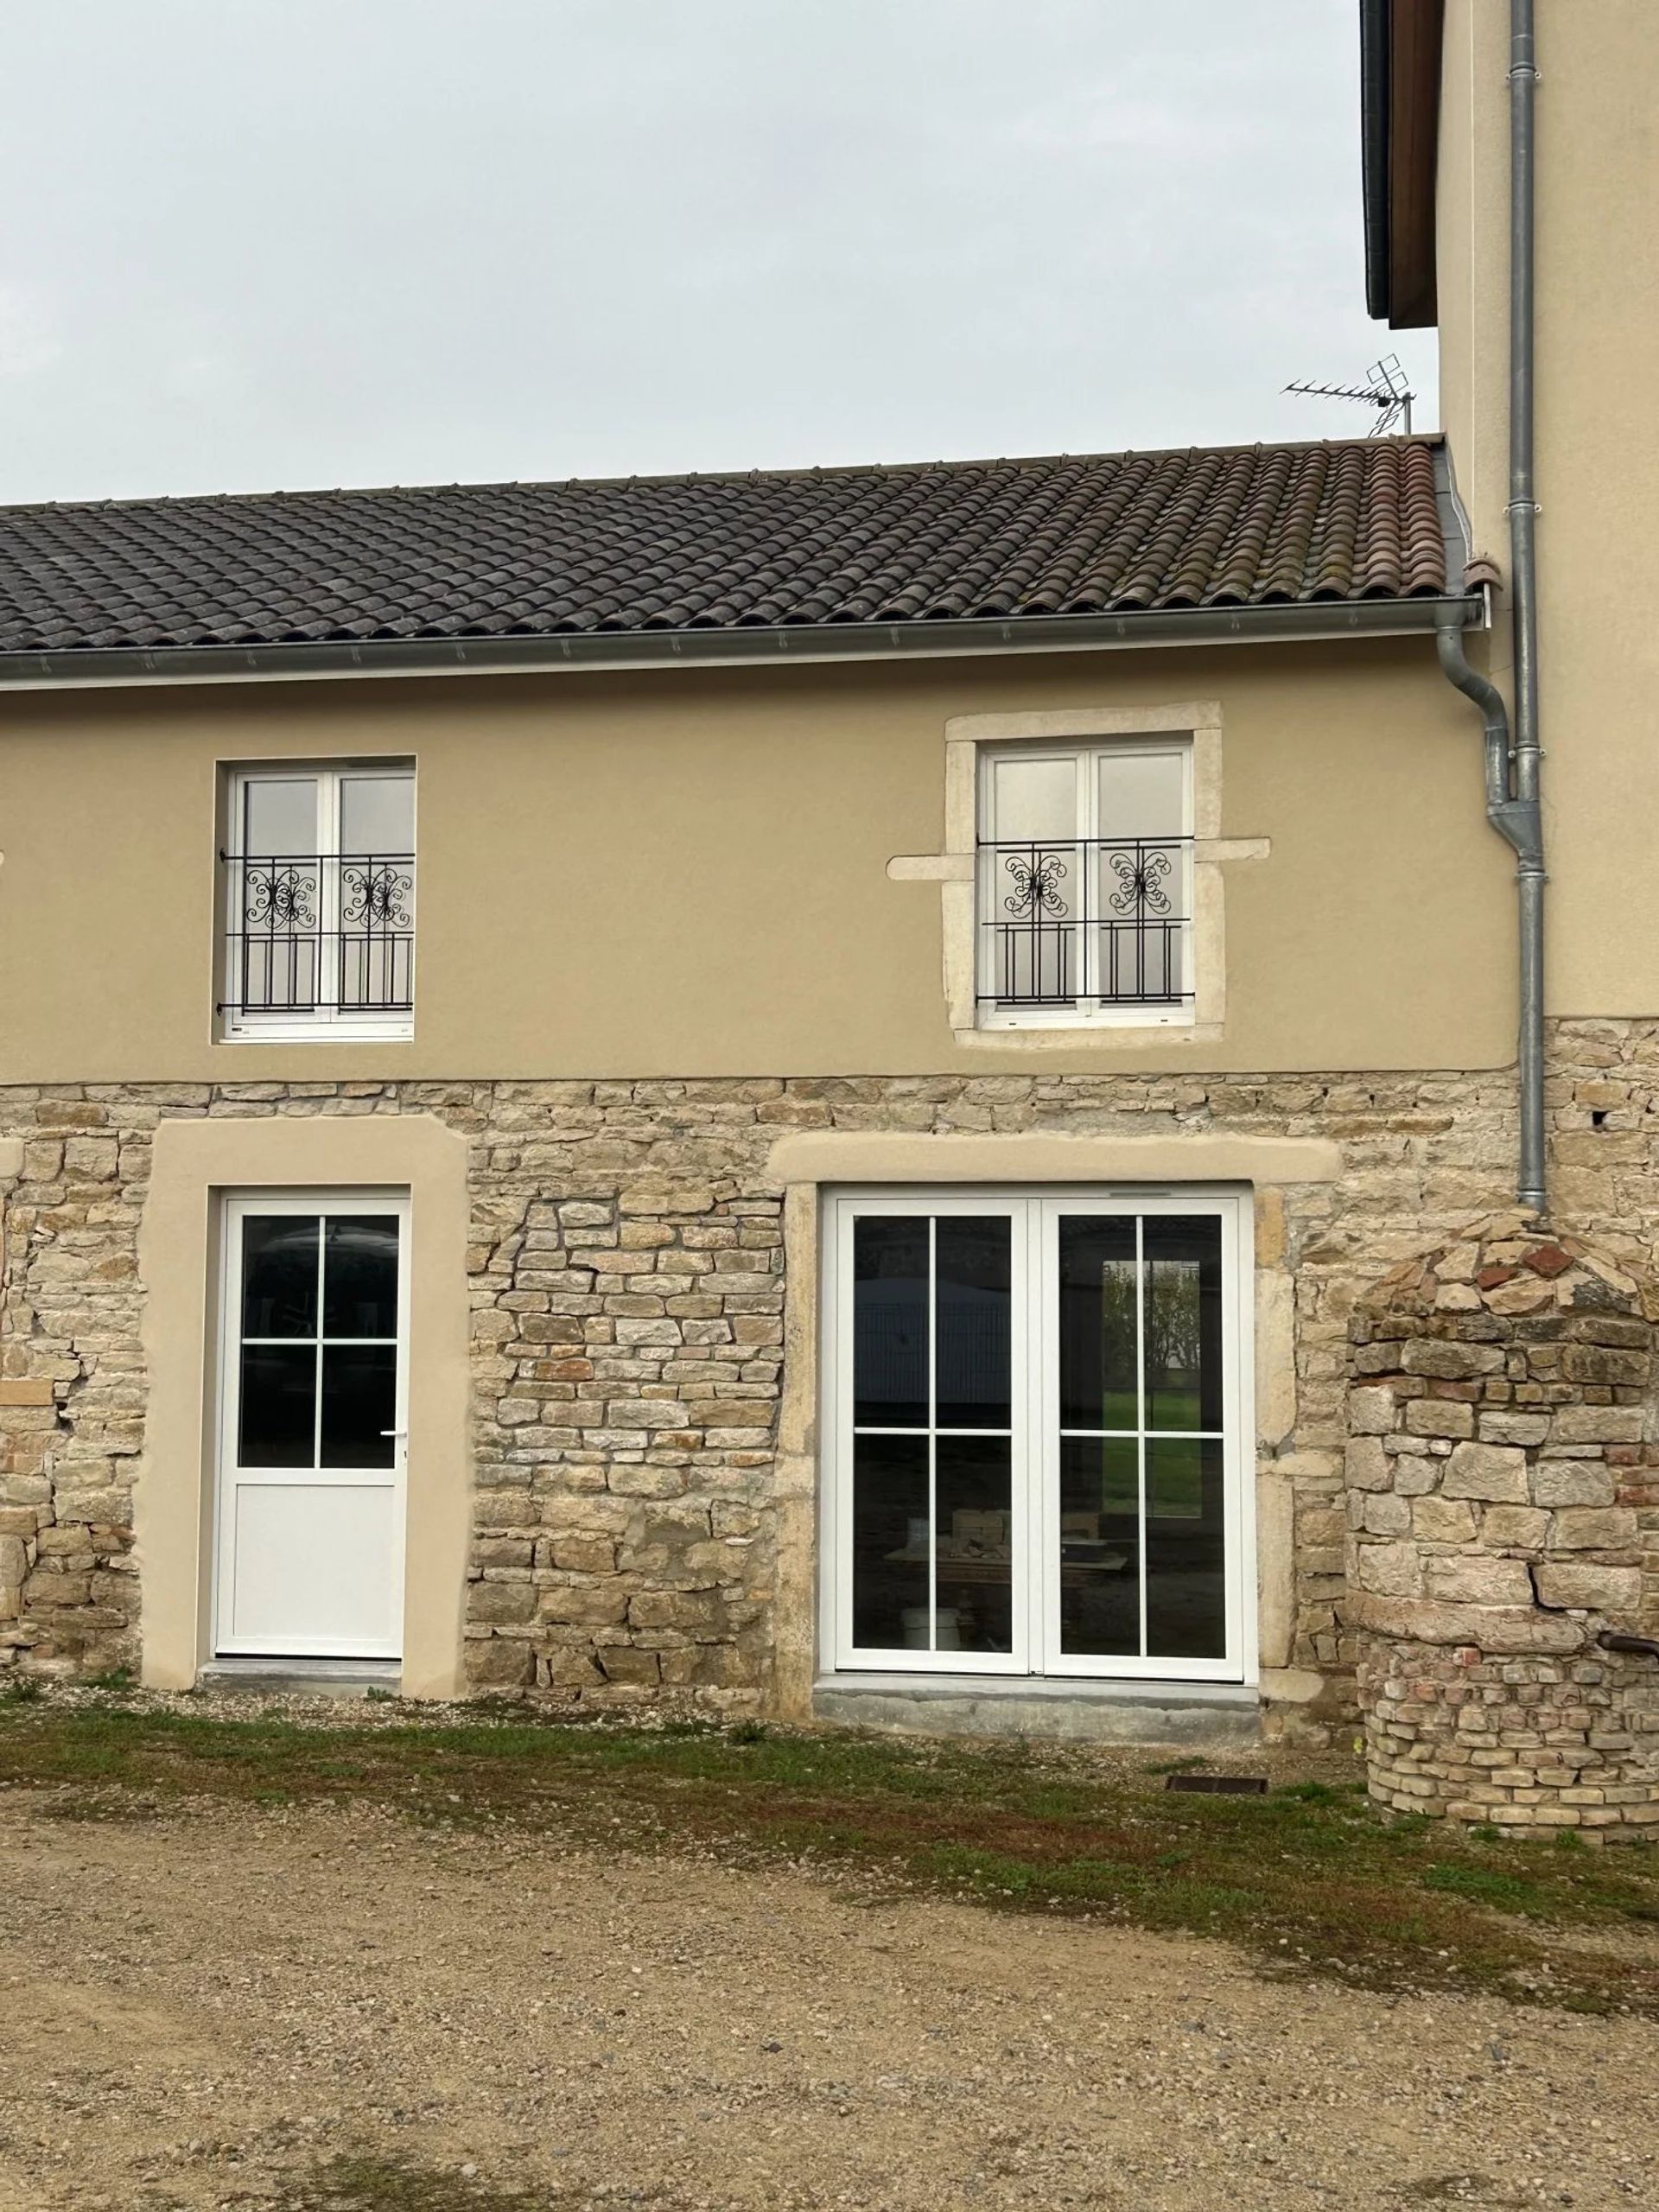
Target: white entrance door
313	1426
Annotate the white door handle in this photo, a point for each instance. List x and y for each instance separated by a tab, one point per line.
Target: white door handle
394	1432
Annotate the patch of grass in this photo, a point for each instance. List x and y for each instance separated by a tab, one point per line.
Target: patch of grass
383	2185
1310	1876
118	1678
26	1690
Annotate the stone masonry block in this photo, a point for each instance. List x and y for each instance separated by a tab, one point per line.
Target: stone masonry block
1616	1590
1583	1529
1496	1473
1472	1579
1571	1481
1372	1411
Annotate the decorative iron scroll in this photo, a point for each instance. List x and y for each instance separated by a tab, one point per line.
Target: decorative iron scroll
1079	923
316	933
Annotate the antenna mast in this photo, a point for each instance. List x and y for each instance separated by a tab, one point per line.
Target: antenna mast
1385	390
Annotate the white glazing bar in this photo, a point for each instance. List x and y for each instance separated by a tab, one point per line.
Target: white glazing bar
316	1425
1140	1402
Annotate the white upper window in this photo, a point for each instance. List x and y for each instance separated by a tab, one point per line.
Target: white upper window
1085	884
318	903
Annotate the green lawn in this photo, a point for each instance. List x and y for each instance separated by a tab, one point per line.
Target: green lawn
1309	1877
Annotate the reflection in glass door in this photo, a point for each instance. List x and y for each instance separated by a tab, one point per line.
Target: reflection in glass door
1037	1413
1141	1569
310	1534
933	1397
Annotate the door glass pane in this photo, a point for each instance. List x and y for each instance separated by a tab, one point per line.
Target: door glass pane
279	1274
1186	1593
891	1539
1100	1546
377	815
279	815
1183	1322
360	1276
971	1263
277	1424
890	1335
973	1485
1097	1323
360	1401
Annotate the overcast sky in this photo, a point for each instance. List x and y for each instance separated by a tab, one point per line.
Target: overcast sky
251	244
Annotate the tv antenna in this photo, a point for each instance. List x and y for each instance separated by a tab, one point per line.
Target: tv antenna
1385	389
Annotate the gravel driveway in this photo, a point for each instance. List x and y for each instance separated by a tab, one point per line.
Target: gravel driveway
209	2006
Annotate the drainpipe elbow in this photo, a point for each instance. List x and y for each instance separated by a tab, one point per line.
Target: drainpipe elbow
1494	716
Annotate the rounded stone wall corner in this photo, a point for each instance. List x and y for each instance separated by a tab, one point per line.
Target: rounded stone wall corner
1502	1494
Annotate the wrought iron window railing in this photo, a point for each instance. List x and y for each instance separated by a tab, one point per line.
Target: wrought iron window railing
1082	923
318	934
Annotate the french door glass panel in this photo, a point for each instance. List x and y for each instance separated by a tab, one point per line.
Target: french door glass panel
928	1399
310	1493
1037	1448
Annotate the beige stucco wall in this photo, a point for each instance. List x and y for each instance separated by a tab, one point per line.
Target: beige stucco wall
1597	450
685	873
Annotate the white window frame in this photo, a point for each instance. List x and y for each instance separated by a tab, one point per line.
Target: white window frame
236	1207
1085	755
325	1023
1036	1212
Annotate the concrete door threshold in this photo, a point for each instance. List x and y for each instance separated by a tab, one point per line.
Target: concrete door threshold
301	1677
1214	1715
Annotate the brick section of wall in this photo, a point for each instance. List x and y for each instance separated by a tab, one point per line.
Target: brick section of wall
628	1293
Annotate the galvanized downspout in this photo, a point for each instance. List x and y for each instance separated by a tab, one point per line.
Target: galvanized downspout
1512	801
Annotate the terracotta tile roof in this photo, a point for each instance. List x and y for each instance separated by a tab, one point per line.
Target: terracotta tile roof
1003	539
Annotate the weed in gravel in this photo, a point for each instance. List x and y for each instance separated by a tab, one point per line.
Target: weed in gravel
26	1690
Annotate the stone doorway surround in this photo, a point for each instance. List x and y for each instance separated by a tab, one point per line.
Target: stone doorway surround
195	1162
1502	1499
806	1164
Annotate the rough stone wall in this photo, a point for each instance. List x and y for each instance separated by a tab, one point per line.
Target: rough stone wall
1503	1514
628	1276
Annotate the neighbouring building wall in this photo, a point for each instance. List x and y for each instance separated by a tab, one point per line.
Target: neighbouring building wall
1597	457
634	1531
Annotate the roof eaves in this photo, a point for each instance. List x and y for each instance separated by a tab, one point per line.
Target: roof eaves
790	645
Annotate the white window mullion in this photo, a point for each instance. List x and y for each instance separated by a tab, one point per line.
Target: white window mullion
328	896
931	1316
1088	883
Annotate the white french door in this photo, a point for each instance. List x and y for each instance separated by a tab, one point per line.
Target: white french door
1036	1424
313	1426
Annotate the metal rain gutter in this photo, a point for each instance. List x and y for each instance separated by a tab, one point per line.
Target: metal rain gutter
1512	779
817	642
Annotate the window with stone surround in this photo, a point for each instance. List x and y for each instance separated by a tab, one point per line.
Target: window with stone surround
1084	883
1081	876
318	902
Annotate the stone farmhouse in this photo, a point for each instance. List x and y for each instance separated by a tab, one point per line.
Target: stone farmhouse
927	1097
